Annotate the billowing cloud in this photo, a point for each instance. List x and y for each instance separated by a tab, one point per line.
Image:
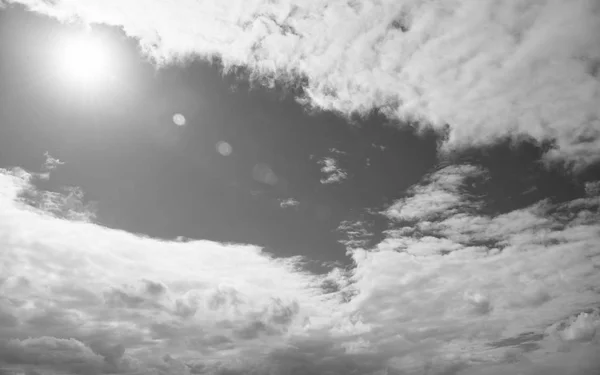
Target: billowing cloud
478	70
452	292
81	298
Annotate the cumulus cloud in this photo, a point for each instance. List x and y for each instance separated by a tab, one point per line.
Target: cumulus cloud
333	173
478	71
453	292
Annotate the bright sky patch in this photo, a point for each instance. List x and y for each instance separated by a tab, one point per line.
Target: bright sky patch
83	60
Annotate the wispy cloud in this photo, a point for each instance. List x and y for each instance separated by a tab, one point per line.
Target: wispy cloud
334	150
50	164
438	195
453	292
68	203
356	234
333	173
480	70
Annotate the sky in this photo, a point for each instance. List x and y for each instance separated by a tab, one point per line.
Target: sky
283	187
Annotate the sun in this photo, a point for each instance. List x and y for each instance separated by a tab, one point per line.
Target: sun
84	60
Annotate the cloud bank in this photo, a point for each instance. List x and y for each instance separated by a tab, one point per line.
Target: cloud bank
448	291
478	71
79	298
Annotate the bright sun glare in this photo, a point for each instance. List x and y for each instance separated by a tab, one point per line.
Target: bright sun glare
84	59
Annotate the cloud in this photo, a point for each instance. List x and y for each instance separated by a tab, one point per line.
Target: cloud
453	292
81	298
478	293
50	164
584	327
334	150
289	202
592	188
69	203
478	71
356	234
333	172
64	354
438	195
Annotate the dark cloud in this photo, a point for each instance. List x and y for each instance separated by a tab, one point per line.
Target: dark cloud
66	354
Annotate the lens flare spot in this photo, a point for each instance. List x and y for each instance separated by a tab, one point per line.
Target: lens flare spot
263	173
179	119
224	148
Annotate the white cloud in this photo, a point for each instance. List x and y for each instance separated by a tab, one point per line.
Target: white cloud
51	162
289	202
66	285
333	172
355	233
487	69
67	204
450	282
79	298
334	150
439	194
583	327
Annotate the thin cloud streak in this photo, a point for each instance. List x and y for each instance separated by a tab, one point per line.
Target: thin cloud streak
478	71
355	234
